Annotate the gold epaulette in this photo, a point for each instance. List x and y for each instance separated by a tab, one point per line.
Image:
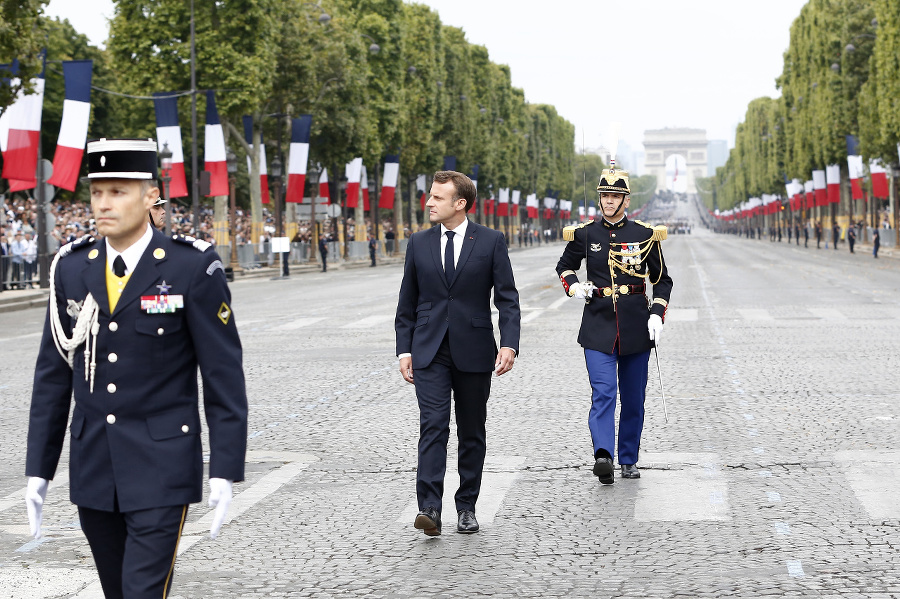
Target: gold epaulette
660	232
569	232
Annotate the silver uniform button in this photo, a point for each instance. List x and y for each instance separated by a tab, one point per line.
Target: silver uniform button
113	327
111	387
160	331
185	428
111	419
113	357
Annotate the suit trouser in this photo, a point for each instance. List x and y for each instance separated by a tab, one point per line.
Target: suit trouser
134	551
470	391
630	371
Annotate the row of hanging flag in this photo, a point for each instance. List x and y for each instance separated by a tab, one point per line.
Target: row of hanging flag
20	129
822	190
20	126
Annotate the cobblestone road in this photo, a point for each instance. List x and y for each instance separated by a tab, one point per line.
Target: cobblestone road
778	473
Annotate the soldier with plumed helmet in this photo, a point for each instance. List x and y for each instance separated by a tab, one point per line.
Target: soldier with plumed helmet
623	257
132	317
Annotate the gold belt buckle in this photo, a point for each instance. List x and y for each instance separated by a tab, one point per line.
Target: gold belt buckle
607	292
623	289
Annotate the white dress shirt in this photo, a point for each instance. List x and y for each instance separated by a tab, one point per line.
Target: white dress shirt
457	241
132	255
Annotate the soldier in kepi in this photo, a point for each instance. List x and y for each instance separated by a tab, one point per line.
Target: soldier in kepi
619	325
131	318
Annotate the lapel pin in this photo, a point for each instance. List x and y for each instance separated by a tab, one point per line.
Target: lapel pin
159	253
93	253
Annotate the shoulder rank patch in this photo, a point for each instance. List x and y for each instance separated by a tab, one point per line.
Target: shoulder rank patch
213	266
569	232
78	244
660	232
198	244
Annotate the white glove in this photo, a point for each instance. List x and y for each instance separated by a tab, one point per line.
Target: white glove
581	290
655	327
219	498
35	493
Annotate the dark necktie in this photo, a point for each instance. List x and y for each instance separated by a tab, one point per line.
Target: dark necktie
119	267
449	266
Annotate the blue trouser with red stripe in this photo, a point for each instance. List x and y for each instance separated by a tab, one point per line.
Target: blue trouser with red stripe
628	374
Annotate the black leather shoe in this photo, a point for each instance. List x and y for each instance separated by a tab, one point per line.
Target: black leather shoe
429	522
630	471
467	523
603	469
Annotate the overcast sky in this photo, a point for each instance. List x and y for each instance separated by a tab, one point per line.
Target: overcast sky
647	64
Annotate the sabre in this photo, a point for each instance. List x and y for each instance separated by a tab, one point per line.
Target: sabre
661	390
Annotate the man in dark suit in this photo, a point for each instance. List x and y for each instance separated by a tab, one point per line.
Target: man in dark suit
131	318
445	336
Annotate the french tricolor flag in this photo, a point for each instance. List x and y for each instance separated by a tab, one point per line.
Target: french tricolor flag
324	191
833	181
74	128
299	158
810	190
352	171
20	132
364	184
389	182
821	190
214	150
855	167
503	207
514	202
420	189
879	180
168	132
263	171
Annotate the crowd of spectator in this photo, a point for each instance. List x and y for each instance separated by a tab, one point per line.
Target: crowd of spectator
71	220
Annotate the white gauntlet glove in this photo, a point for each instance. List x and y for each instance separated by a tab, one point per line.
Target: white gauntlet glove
655	327
581	290
219	498
35	493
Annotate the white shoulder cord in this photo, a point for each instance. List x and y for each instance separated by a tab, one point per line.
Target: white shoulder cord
86	326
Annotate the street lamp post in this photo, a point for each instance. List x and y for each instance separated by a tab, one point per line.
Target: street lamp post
165	159
276	178
313	173
231	164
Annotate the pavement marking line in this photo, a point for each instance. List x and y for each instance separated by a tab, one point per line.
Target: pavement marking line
556	305
369	321
874	477
795	568
531	316
681	496
17	337
298	324
499	474
195	532
17	498
683	315
681	487
754	314
827	313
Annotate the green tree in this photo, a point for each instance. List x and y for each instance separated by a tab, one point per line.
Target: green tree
22	39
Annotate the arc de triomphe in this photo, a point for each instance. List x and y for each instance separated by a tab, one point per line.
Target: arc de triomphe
660	144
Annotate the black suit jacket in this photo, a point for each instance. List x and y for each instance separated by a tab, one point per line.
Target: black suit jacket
428	307
136	438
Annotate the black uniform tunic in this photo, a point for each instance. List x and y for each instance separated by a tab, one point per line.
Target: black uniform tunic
621	259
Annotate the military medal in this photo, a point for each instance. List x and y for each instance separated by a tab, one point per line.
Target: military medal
161	304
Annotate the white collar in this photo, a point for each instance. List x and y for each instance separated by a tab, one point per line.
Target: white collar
131	255
460	230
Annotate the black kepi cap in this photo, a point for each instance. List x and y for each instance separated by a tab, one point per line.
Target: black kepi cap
122	159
